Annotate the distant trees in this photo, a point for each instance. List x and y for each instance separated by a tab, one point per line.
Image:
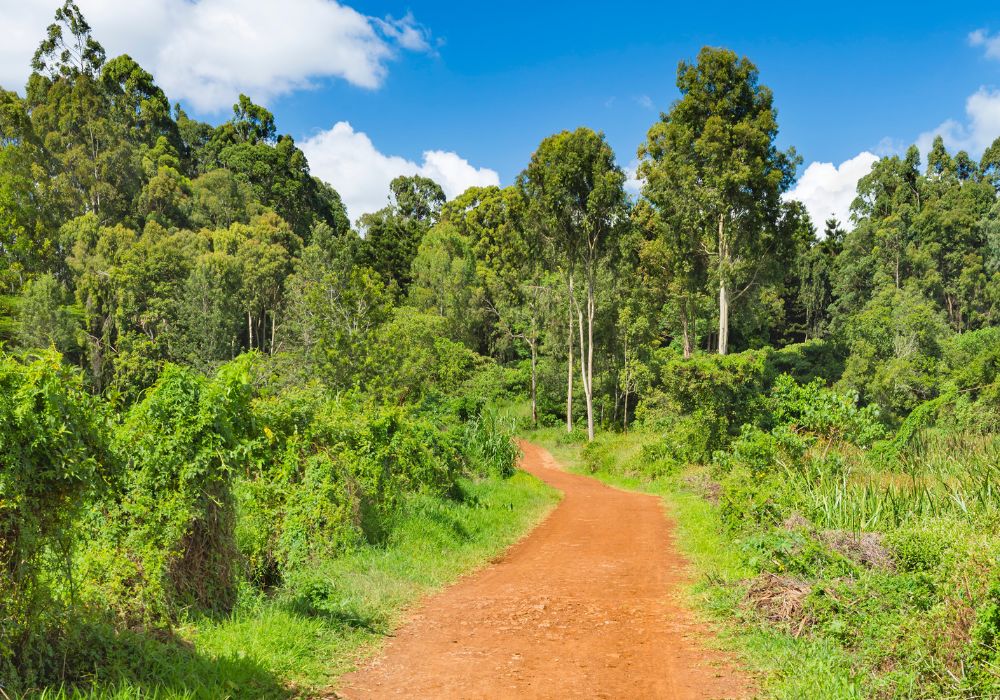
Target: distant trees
392	235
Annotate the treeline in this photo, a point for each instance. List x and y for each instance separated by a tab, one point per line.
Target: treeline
152	464
135	236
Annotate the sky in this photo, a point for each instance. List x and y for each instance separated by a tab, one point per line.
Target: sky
464	92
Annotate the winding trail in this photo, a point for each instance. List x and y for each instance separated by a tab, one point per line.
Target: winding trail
584	606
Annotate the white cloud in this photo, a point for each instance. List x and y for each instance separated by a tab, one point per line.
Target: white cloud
206	52
990	42
827	190
633	184
349	161
644	101
980	130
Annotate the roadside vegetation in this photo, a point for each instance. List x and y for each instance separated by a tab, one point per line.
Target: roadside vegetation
238	431
845	556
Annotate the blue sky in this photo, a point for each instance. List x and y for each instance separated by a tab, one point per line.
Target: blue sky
508	74
464	91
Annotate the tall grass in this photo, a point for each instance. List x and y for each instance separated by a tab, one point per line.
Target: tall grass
936	477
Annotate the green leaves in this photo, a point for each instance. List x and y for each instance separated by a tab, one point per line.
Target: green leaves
53	455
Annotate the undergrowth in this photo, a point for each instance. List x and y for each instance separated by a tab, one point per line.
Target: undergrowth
299	639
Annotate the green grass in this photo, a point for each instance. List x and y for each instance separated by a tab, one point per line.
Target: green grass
334	613
789	668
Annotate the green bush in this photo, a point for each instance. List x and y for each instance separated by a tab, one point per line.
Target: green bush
53	457
917	549
168	543
984	645
780	450
725	391
824	412
806	362
322	517
325	475
751	498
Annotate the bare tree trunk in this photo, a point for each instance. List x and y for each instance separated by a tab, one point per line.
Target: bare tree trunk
685	325
534	385
583	357
273	324
249	331
590	354
585	369
625	385
723	292
569	362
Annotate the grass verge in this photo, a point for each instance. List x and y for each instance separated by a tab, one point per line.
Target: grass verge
328	616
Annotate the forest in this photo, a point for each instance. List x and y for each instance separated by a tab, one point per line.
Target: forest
220	399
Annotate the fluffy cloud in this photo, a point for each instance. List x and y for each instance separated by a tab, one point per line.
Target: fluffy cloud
633	184
827	190
349	161
206	52
982	127
989	42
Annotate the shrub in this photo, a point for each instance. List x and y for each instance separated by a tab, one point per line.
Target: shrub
751	498
322	518
327	474
780	450
917	549
53	453
984	645
724	390
824	412
169	544
808	361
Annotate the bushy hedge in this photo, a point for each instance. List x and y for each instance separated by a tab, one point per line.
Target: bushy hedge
206	486
166	544
53	451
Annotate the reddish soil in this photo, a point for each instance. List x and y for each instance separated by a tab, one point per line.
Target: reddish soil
585	606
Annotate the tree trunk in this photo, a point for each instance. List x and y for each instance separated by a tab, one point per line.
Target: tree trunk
534	386
249	331
624	383
723	292
569	361
685	326
273	324
591	307
590	355
586	358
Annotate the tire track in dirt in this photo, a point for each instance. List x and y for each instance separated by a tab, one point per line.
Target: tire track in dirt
585	606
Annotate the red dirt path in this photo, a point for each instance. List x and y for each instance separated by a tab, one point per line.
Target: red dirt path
584	606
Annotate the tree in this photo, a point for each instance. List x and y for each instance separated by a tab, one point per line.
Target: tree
45	319
393	234
445	282
715	149
72	55
509	262
669	253
577	200
815	272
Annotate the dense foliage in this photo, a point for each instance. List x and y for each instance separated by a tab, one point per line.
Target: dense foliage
211	381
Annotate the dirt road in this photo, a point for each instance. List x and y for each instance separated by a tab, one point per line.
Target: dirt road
584	607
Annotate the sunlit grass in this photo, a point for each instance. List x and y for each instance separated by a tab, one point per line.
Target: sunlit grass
300	639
